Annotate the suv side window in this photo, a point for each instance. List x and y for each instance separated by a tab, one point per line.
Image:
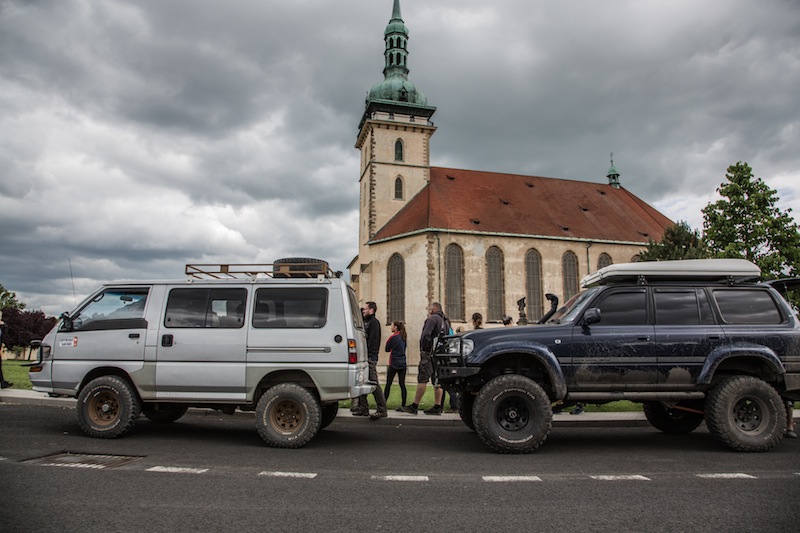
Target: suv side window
747	306
291	308
624	308
205	308
682	307
112	309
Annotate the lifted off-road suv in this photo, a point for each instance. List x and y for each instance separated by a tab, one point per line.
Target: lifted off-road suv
691	340
285	340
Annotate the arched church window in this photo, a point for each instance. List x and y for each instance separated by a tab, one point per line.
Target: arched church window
495	284
454	282
398	150
569	271
603	261
533	285
398	188
396	289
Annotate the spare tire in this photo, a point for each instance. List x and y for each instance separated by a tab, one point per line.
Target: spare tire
299	267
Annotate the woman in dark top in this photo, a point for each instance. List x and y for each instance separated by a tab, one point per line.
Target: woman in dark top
396	344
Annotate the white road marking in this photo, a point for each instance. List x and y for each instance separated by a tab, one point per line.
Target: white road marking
177	470
627	477
301	475
401	478
726	476
510	479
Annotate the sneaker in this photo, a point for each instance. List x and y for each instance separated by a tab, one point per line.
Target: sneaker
790	434
408	409
578	410
6	385
435	410
401	409
378	414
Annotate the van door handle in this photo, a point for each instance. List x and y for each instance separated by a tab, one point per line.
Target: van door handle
133	336
166	340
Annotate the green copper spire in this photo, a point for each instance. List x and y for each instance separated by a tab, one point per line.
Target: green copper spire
396	86
613	175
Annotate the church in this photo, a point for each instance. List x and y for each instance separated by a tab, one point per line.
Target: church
475	241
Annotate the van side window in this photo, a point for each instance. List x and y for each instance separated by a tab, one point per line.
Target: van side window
113	309
291	308
205	308
739	306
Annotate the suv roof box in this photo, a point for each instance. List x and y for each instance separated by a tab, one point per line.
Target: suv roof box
723	270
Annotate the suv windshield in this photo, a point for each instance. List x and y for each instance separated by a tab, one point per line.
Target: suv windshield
572	307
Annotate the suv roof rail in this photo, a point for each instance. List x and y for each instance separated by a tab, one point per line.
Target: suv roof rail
280	269
728	271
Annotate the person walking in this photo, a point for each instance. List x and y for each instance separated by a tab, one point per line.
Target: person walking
396	346
3	383
435	325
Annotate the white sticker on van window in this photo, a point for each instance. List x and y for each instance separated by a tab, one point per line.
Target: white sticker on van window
68	342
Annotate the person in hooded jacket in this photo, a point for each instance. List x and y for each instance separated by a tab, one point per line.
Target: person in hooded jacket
436	325
396	345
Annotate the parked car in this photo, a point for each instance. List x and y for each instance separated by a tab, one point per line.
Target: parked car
285	340
692	340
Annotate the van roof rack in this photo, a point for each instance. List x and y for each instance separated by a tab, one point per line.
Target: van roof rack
279	269
728	271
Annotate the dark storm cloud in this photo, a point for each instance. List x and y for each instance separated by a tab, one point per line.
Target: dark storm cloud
136	136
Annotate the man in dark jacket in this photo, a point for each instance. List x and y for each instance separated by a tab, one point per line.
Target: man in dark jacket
372	328
435	325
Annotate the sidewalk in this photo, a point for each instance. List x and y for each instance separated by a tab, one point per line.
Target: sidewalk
619	419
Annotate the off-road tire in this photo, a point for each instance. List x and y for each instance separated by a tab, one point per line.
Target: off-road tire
512	414
745	413
670	420
165	413
466	408
108	407
328	414
288	416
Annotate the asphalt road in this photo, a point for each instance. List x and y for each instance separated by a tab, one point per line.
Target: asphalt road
213	473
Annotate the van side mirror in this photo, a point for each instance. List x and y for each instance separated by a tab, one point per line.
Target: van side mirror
591	316
66	322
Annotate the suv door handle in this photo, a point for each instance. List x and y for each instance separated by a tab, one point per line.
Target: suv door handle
643	338
166	340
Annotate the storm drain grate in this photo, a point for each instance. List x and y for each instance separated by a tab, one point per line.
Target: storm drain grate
83	460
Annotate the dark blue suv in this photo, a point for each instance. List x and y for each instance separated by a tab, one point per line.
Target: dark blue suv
691	340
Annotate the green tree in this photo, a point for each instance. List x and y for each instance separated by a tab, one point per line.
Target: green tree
9	299
680	241
746	224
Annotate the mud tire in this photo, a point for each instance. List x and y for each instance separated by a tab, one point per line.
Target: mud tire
512	414
108	407
466	409
328	414
671	421
746	414
165	413
288	416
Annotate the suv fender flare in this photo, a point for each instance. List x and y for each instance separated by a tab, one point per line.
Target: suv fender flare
739	350
536	352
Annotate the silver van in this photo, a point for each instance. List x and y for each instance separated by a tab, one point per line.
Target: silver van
285	340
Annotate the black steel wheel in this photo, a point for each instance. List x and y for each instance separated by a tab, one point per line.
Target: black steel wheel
745	413
512	414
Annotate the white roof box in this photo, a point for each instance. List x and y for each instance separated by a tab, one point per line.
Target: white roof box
730	270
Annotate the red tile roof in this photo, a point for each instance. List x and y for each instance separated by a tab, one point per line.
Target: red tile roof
489	202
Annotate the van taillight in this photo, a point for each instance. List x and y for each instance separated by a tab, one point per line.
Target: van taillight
352	351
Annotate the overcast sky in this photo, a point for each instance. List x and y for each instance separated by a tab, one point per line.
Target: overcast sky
137	136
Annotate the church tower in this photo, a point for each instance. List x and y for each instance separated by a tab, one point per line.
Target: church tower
394	138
